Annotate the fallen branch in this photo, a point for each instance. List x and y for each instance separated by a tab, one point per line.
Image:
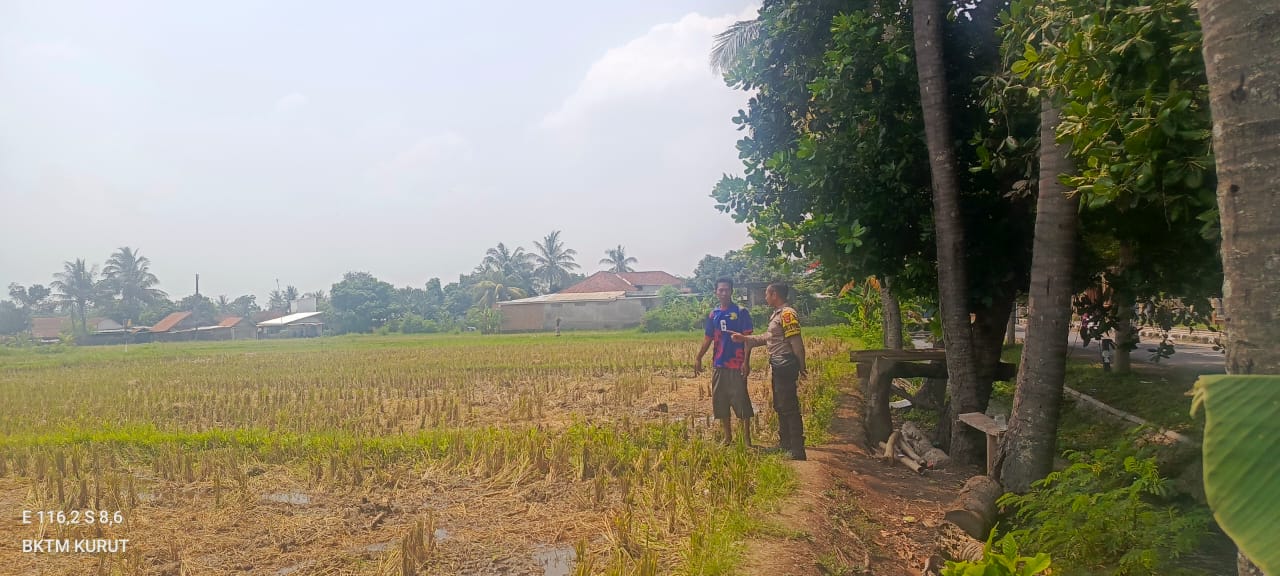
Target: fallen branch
905	447
888	452
909	463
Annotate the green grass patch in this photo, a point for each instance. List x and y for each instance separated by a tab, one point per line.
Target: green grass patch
1154	394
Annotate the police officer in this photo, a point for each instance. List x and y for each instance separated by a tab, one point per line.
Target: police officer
787	360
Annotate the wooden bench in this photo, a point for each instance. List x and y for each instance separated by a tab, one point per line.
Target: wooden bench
878	368
991	428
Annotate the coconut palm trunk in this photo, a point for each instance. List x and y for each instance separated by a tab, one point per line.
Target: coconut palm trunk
892	316
1242	58
1029	445
962	374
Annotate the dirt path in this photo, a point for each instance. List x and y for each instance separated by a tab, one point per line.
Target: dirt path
853	514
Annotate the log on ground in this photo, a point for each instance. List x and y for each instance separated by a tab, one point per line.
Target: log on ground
974	509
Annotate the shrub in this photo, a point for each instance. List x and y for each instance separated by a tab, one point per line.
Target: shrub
677	313
1107	513
1004	561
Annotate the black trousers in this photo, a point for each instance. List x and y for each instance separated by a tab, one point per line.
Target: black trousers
786	402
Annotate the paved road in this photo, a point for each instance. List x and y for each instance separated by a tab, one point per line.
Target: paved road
1200	358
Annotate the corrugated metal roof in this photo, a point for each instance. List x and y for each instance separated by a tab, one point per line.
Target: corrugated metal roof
570	297
230	321
290	319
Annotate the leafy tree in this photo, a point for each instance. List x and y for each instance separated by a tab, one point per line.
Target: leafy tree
277	301
361	302
435	294
244	306
742	266
127	276
203	310
834	163
223	304
155	312
457	299
13	319
1135	110
290	294
32	299
554	262
617	260
76	288
412	301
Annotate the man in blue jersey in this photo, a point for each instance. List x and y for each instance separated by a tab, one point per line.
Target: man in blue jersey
730	361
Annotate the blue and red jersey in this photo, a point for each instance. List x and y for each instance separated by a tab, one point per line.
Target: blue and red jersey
727	353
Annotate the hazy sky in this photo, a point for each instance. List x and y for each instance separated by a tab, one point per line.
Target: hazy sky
250	141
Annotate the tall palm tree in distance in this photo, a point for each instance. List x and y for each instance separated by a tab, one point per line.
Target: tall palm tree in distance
497	288
509	262
515	266
554	261
617	260
128	276
76	287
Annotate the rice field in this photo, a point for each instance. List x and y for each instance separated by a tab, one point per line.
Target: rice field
584	454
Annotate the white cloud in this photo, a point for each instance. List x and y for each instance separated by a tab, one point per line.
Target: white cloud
669	57
291	102
429	164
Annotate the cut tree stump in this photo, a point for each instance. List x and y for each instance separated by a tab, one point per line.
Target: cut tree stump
974	509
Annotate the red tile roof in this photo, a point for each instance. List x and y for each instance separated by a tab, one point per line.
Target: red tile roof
624	282
652	278
230	321
48	328
600	282
170	321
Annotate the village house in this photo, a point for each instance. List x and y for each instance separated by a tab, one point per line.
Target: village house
297	325
604	301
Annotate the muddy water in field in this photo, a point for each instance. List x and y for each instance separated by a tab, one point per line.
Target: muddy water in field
555	560
295	498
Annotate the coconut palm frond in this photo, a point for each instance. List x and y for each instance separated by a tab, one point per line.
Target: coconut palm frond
733	42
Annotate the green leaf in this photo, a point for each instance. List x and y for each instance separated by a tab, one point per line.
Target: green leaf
1020	67
1241	471
1036	565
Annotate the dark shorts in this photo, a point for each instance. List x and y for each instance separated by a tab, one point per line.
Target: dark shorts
729	389
785	397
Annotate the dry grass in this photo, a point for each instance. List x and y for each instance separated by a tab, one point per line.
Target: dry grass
389	456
